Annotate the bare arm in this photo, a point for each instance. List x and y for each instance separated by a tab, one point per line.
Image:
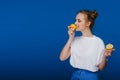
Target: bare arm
103	63
65	53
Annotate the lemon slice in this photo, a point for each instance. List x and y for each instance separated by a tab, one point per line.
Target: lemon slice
109	46
73	26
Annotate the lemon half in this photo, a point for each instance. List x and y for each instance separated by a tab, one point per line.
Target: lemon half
109	46
73	26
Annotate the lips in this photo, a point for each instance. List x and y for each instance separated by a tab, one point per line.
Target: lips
76	26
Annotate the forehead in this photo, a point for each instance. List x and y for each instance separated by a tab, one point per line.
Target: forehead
81	16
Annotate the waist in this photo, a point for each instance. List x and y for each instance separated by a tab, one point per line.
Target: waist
84	70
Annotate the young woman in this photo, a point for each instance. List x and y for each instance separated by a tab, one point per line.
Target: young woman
87	52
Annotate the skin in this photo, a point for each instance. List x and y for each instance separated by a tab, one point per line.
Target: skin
83	25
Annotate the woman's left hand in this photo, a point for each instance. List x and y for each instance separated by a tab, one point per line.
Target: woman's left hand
108	52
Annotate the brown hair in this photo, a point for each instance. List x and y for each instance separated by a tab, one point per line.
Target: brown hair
91	16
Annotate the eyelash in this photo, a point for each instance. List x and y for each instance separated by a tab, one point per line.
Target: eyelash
78	21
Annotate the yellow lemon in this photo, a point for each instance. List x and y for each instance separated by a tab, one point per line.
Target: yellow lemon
73	26
109	46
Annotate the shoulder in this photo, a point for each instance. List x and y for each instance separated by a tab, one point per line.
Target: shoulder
98	39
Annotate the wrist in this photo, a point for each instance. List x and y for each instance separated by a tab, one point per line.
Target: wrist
105	57
70	39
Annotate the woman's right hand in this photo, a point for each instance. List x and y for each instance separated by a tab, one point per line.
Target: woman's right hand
71	33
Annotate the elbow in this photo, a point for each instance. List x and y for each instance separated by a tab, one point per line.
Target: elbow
101	68
61	59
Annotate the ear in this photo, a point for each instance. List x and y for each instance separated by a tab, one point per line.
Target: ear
88	23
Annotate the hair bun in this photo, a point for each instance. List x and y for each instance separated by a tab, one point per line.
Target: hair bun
94	14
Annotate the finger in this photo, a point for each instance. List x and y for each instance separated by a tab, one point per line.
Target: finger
109	54
109	51
70	32
113	49
68	27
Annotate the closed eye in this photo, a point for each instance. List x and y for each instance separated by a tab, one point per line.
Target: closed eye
79	20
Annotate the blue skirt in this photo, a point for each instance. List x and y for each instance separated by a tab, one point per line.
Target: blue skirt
81	74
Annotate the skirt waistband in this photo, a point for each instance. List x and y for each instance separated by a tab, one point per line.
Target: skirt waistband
76	69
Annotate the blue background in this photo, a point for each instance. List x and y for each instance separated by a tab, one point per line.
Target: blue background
33	33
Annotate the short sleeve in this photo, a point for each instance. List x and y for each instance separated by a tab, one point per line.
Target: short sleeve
101	49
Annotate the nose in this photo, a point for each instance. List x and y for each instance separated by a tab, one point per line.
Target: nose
75	22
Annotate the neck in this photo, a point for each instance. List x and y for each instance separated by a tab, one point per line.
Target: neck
87	33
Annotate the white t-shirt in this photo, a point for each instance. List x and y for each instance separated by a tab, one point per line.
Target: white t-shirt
87	52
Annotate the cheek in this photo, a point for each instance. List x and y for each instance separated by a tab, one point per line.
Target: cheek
81	25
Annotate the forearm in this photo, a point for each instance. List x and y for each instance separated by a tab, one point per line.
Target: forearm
103	63
65	53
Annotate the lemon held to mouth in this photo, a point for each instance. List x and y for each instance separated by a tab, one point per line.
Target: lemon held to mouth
109	46
73	26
